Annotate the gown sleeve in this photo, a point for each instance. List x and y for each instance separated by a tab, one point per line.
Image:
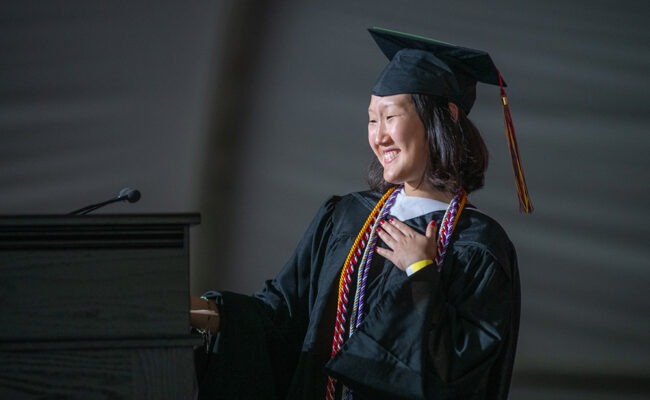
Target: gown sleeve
438	336
260	336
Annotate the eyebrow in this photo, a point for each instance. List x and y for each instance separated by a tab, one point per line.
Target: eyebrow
391	104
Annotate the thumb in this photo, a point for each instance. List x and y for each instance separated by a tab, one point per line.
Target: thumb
432	230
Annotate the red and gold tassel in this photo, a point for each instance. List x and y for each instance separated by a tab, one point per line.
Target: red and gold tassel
525	204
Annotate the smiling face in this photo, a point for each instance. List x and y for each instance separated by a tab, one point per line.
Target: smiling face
397	137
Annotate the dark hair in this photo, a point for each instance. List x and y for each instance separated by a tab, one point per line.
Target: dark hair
458	157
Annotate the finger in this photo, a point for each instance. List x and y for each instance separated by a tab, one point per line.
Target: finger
196	303
204	312
386	237
386	253
401	226
202	303
391	230
432	230
201	321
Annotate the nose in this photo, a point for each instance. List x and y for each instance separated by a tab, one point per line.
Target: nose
381	135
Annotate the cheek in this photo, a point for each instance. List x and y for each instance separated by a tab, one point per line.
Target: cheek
418	141
423	157
371	140
421	152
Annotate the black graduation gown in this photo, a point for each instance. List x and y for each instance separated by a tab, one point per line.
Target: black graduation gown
447	335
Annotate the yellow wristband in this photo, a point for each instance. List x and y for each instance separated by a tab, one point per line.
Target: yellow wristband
416	266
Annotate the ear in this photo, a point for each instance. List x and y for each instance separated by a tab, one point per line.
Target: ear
453	108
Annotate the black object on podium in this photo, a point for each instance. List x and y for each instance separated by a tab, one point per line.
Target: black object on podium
96	307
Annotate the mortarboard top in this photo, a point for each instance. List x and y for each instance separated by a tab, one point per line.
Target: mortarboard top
427	66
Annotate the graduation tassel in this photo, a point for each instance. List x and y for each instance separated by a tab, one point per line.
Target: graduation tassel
525	204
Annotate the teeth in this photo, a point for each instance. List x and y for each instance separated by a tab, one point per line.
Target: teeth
390	156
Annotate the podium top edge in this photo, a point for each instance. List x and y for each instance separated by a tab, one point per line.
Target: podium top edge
102	219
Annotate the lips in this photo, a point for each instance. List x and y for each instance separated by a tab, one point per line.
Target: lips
390	155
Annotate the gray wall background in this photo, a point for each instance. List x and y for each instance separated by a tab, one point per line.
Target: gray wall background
253	113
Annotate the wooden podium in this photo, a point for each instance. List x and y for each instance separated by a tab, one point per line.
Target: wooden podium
96	307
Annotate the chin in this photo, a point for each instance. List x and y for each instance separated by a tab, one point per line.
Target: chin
392	180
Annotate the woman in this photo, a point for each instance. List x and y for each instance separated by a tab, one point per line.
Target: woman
404	291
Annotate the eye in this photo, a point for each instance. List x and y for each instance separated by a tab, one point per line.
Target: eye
390	117
372	121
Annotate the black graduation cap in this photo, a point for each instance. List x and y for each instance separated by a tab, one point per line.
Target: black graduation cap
427	66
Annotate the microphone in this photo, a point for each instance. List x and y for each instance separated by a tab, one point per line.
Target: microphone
126	194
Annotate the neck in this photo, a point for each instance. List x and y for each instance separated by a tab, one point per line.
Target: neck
427	192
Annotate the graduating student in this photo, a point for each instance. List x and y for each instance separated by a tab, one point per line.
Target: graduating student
403	291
